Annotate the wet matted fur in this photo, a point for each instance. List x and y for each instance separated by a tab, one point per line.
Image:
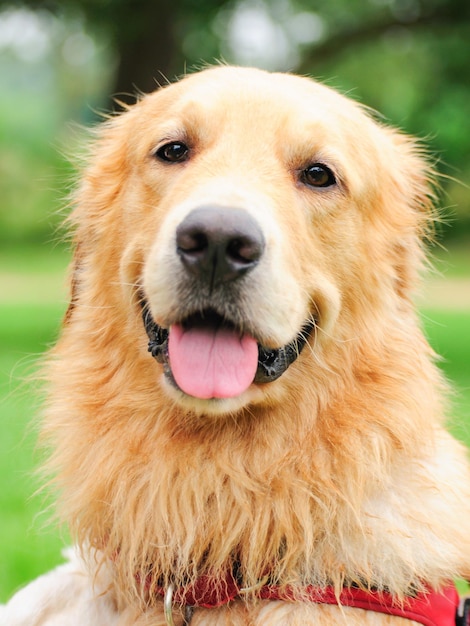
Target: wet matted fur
340	472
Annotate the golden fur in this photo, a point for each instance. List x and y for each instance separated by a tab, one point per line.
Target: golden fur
339	472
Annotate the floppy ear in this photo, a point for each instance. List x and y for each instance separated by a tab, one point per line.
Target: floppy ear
75	268
417	180
411	206
95	200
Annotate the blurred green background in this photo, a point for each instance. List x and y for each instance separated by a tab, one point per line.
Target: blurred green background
60	63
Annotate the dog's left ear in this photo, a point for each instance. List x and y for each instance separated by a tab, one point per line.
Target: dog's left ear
416	178
411	205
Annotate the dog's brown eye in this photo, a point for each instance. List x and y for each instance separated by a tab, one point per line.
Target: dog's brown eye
173	152
318	175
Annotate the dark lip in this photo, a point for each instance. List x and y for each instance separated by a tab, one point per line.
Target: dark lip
272	363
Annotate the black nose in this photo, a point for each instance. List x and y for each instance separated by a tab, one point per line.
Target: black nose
219	244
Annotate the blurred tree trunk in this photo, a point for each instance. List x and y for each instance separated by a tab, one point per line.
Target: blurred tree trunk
146	54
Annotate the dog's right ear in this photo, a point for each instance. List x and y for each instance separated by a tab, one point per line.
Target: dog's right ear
101	173
74	280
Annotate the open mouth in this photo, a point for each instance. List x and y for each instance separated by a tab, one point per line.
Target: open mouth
206	356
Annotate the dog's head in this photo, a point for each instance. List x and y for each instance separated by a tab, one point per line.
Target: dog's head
245	215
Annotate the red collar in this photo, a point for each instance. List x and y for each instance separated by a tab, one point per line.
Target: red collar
430	608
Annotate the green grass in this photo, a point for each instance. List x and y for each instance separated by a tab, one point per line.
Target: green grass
28	324
28	546
448	333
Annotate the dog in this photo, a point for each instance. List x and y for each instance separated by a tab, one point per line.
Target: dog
246	424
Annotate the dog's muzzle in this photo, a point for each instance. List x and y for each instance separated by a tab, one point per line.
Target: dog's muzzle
206	354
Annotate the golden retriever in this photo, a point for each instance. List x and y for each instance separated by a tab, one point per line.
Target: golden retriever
283	459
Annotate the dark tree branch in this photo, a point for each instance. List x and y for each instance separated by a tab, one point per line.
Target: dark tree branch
451	13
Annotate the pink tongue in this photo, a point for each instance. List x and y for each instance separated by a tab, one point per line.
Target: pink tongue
212	363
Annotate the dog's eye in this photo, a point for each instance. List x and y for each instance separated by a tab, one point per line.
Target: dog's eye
318	175
173	152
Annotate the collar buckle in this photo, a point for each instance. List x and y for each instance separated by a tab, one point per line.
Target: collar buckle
463	612
168	608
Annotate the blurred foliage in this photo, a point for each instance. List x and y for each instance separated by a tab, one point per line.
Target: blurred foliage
60	61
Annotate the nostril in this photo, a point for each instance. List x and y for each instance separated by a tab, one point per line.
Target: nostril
244	250
188	242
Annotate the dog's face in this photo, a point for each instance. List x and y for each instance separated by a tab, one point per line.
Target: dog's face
254	213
